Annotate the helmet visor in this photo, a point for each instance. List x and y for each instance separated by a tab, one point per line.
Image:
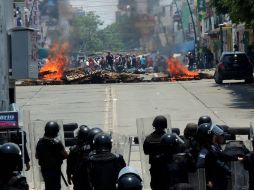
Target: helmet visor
178	139
216	130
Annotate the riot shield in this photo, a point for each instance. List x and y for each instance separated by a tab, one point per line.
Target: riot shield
36	131
252	135
144	128
121	145
239	176
198	179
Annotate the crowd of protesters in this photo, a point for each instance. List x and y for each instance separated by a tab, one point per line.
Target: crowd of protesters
120	63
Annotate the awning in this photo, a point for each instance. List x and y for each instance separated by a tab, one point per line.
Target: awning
217	30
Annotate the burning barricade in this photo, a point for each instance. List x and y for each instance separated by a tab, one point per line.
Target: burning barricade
179	72
57	62
57	71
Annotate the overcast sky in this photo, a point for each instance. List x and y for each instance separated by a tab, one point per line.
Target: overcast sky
104	8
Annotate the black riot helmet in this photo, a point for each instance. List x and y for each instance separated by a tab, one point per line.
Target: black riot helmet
10	157
82	135
92	133
51	129
160	122
129	179
102	142
171	142
190	130
204	119
204	134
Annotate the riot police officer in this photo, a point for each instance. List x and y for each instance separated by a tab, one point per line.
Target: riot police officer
217	169
177	164
51	152
204	138
92	133
190	143
10	156
129	179
77	160
104	166
204	119
153	148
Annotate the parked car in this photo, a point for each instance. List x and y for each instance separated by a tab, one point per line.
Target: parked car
234	65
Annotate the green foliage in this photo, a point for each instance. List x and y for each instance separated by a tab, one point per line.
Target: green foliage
111	38
128	33
85	35
238	10
88	36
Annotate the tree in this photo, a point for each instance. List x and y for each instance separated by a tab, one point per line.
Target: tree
86	34
238	10
122	34
128	32
111	38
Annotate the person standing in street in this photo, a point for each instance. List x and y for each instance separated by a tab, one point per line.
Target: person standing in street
217	168
77	161
110	61
51	152
10	178
143	62
153	148
104	166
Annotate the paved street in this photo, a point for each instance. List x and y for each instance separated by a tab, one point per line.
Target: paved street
116	106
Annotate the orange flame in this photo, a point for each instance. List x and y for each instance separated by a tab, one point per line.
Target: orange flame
57	62
179	71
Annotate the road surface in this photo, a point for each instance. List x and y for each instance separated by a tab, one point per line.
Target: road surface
116	107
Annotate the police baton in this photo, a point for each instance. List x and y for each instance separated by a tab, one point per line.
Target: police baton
64	179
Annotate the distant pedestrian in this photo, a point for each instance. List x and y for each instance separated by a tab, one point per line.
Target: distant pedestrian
110	61
143	62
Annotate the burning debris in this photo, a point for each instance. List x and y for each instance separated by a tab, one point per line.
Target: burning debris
56	71
179	71
56	64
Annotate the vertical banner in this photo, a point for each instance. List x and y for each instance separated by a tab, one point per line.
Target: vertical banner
201	8
186	19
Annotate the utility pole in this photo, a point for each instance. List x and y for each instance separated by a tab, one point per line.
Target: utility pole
195	32
6	23
178	11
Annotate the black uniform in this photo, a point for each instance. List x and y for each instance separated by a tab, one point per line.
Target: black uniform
77	166
17	139
217	168
13	181
49	152
104	168
182	164
152	147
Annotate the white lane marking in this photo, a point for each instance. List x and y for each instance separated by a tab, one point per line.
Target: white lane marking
114	112
107	109
110	118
